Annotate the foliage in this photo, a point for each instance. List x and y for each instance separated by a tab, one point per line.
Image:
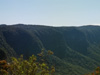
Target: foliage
4	67
26	67
96	72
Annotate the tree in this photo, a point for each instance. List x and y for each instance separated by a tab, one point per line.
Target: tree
19	66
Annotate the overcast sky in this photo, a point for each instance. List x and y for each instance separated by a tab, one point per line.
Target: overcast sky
50	12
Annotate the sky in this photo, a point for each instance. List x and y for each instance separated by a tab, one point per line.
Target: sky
50	12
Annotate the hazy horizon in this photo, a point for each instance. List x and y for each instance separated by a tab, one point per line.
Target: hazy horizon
54	25
50	13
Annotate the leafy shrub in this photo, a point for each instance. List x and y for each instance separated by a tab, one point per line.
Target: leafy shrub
19	66
3	67
96	72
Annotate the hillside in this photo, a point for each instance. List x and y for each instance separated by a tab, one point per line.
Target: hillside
76	49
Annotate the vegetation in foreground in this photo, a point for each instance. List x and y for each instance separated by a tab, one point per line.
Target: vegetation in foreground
96	72
27	67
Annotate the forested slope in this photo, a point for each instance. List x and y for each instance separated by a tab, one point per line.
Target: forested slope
76	49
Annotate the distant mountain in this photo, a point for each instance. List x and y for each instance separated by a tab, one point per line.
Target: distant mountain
76	49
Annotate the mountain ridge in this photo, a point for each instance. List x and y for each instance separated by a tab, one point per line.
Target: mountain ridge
73	47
